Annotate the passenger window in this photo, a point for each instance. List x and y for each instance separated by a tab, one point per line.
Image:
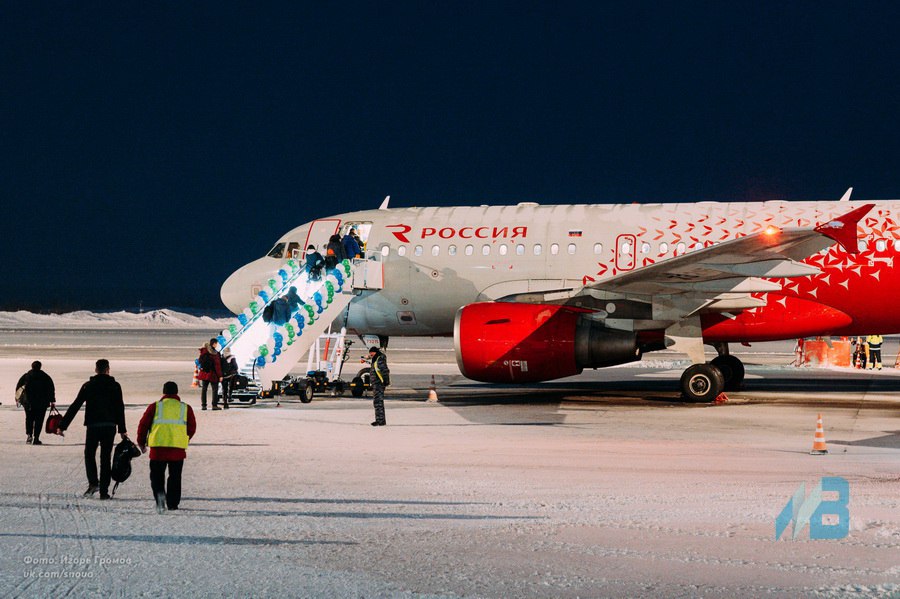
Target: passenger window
881	245
277	251
663	248
385	251
435	250
470	250
520	250
571	248
625	248
418	250
503	249
862	245
645	247
451	250
598	248
537	249
679	249
897	246
554	249
401	251
485	250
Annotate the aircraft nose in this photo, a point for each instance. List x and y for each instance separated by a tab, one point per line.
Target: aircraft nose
233	292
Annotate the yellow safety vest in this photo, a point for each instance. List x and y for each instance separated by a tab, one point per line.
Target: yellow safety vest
169	428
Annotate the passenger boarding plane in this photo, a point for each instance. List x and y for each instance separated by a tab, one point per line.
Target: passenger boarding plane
534	293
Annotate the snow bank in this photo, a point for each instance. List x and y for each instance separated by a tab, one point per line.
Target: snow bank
82	319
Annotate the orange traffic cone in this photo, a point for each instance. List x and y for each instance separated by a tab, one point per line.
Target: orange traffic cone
432	391
819	440
196	381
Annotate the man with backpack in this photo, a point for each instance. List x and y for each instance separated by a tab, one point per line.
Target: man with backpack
38	393
210	372
104	412
166	428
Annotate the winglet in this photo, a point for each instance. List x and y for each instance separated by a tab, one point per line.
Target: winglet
846	196
384	204
843	228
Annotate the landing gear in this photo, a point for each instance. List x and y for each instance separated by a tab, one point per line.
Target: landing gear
732	370
702	383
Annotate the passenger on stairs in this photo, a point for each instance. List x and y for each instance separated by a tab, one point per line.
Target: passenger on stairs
314	263
351	245
334	253
281	311
210	372
293	299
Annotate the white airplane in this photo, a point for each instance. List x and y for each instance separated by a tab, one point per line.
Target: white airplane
534	293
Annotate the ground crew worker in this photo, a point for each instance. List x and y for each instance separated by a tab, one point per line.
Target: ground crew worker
380	376
167	427
874	342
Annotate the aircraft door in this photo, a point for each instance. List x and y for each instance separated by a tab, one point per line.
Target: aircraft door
625	252
320	231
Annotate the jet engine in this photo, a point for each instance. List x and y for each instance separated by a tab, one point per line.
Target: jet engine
500	342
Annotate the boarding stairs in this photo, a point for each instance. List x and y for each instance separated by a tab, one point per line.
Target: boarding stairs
268	351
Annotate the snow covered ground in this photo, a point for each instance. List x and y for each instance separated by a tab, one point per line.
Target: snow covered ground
603	485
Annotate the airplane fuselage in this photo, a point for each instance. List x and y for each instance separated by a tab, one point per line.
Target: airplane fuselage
437	260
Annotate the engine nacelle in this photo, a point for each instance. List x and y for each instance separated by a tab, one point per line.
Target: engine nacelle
500	342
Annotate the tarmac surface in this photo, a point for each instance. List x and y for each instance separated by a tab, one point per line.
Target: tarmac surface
602	485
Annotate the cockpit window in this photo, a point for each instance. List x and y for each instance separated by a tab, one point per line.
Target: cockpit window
293	250
277	251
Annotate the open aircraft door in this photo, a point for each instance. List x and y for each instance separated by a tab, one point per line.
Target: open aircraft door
320	231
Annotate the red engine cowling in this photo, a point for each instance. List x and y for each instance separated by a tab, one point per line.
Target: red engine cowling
499	342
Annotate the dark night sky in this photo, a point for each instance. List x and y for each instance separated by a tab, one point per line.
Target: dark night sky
149	149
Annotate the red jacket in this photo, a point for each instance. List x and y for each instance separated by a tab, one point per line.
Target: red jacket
215	375
164	454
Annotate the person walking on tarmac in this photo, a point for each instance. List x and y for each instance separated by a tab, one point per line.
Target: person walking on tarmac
229	376
874	342
167	427
210	372
104	412
380	376
39	394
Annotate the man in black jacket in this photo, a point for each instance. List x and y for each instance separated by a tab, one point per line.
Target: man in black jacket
39	395
104	412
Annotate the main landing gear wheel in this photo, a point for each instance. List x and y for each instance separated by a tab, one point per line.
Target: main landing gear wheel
732	369
702	383
307	394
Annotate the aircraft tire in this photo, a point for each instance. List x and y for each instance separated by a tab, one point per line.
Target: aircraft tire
356	388
702	383
732	369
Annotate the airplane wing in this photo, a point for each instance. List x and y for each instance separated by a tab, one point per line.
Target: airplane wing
740	265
